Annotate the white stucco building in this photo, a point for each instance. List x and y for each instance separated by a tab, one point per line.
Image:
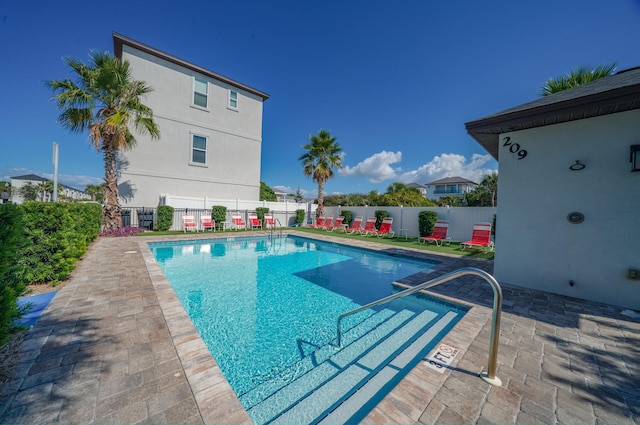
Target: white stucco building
210	132
569	214
65	193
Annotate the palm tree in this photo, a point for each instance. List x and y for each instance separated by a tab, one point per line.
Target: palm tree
578	76
95	191
490	183
323	155
105	100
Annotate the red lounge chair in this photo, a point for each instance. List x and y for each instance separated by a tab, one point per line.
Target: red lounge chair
328	223
336	224
254	221
439	234
189	223
269	222
319	224
480	238
356	225
207	223
385	228
369	226
237	222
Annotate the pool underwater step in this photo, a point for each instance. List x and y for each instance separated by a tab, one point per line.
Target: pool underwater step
343	385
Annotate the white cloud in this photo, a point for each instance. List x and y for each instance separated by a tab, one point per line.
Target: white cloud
377	168
449	165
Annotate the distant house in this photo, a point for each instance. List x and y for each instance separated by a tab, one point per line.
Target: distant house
210	132
64	192
449	186
568	220
421	188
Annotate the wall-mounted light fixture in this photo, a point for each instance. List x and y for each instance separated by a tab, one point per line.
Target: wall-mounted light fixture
577	166
634	158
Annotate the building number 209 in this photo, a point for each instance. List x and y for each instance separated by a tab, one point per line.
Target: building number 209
514	148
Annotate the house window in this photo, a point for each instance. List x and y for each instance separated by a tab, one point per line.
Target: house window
198	150
233	99
200	92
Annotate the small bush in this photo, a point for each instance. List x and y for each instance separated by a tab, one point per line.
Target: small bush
426	221
300	217
348	216
219	214
380	215
261	211
165	217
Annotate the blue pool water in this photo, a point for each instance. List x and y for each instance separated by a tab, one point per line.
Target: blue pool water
262	305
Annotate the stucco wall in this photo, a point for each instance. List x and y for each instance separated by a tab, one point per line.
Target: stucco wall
234	138
536	246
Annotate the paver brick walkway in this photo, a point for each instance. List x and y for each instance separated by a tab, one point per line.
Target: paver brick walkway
115	346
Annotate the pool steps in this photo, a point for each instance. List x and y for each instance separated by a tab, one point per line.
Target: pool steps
343	384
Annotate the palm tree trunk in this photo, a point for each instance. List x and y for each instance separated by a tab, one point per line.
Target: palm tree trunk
320	209
111	212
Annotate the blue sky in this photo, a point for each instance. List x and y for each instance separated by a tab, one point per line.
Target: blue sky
393	81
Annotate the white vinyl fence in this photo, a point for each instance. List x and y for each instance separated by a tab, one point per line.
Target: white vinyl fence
405	219
283	212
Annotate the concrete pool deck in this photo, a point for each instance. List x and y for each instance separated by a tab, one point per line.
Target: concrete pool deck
115	346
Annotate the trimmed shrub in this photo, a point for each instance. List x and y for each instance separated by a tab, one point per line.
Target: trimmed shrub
165	217
426	221
348	216
56	235
380	215
261	211
219	214
11	267
300	217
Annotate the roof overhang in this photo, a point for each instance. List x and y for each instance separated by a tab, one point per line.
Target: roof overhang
120	40
486	131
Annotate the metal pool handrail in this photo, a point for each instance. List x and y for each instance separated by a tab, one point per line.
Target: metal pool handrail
490	375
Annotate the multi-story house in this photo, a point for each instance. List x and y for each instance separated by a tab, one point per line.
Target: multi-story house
210	132
455	186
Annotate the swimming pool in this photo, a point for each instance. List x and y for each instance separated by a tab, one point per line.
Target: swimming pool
267	307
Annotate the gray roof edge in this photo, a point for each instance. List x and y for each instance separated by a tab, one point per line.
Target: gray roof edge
455	179
35	177
119	40
623	82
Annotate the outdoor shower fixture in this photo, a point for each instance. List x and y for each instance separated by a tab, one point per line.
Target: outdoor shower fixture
577	166
634	158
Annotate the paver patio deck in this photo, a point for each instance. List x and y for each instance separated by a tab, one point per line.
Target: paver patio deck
116	346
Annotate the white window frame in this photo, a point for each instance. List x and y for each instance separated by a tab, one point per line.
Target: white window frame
231	99
194	91
192	148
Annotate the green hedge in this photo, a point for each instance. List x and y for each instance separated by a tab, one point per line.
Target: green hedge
56	235
300	217
348	217
165	218
380	215
426	221
261	211
11	268
219	214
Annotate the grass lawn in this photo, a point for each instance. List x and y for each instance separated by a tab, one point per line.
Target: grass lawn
401	242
